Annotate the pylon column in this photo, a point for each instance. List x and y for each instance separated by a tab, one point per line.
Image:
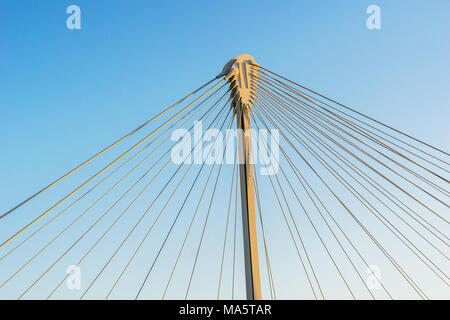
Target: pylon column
239	70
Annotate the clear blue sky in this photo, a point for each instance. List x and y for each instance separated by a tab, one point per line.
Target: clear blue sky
64	94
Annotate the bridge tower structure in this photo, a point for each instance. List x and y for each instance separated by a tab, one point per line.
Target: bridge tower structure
240	72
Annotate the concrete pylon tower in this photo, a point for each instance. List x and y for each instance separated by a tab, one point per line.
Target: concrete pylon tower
241	71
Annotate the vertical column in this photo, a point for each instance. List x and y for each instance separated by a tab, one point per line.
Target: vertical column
252	274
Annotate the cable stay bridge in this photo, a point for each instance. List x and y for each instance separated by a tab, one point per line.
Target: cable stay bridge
310	199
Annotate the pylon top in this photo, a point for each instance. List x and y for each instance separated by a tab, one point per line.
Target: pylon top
241	72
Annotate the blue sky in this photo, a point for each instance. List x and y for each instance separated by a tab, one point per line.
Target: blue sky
64	94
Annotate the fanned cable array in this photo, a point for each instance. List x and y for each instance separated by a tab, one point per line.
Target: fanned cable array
353	208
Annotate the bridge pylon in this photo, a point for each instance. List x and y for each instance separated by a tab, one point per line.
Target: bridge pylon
240	72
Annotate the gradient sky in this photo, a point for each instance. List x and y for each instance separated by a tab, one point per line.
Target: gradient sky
64	94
